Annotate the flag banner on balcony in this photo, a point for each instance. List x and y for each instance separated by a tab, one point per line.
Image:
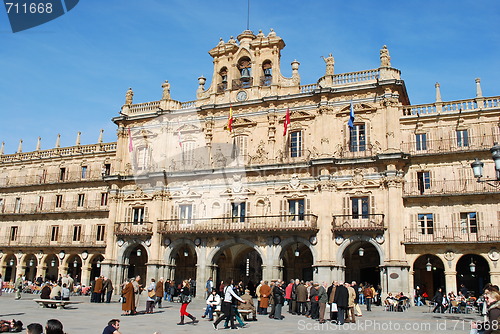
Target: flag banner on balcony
286	124
130	145
179	138
351	116
229	126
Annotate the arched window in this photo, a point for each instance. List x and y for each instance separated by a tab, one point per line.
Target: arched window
267	69
222	85
245	68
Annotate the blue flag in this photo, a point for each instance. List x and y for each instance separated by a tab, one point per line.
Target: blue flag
351	117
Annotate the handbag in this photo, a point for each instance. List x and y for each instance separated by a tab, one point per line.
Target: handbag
151	293
186	299
123	299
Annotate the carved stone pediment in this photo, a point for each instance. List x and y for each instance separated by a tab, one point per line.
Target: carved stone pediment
187	128
299	189
298	115
358	180
359	108
138	194
237	191
243	122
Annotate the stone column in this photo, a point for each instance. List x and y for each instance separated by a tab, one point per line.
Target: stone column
85	279
450	278
495	276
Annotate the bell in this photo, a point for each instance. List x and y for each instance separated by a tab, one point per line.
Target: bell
224	79
245	74
267	72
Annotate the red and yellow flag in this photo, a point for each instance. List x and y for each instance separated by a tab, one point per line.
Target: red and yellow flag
286	124
230	119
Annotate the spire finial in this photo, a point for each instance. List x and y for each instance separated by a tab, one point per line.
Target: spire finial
479	92
385	59
438	92
78	134
38	143
20	147
100	136
58	140
129	97
2	148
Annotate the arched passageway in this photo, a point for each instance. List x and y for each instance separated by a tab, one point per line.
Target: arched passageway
473	272
428	274
362	262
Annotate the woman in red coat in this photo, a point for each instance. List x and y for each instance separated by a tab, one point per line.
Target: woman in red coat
128	306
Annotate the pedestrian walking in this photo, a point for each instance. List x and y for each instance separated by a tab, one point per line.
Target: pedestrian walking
18	285
150	300
227	305
128	298
185	295
159	292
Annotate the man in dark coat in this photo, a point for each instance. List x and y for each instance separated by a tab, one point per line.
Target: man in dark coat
301	291
342	300
108	287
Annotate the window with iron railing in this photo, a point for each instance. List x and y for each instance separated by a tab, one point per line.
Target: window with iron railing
462	138
54	233
238	212
421	141
104	199
426	223
185	213
138	214
62	174
423	181
81	200
59	199
13	233
100	232
357	138
296	144
360	207
17	207
77	232
468	222
84	172
296	208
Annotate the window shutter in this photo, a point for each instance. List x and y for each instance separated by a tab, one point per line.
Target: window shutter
436	220
479	216
247	209
413	219
146	214
367	135
308	205
455	220
372	204
282	213
193	213
345	205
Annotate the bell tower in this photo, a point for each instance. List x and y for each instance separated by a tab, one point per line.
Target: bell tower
247	68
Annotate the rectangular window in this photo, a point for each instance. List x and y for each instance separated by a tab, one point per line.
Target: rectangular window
357	141
238	211
421	141
77	232
104	199
84	172
138	215
62	174
142	158
296	208
241	147
81	199
468	222
17	207
13	233
185	213
1	205
54	233
59	201
188	153
424	181
426	223
462	138
360	207
296	144
43	177
100	232
106	169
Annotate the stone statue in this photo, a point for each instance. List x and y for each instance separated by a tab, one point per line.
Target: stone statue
385	59
129	97
329	64
166	90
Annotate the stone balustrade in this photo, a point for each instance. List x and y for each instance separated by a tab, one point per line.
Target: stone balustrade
83	240
451	107
453	234
447	187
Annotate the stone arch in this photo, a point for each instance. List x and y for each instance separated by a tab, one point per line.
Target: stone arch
474	281
175	246
125	250
356	238
293	240
230	242
292	266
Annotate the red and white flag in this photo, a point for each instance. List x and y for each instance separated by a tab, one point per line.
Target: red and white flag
230	119
179	138
286	124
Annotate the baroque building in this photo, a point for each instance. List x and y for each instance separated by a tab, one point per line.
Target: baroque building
262	177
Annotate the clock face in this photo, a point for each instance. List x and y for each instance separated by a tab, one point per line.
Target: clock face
241	96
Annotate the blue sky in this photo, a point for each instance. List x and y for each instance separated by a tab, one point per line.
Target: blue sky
72	73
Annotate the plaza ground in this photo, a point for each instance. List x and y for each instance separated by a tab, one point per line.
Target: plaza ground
92	318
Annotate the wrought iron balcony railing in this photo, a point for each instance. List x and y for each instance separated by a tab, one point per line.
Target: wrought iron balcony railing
83	240
52	207
133	228
368	222
305	222
446	187
452	234
444	145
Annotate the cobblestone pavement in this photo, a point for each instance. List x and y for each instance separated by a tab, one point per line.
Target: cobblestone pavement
92	318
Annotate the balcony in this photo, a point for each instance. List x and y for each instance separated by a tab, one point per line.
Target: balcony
454	234
447	145
360	223
50	207
60	241
50	178
242	84
133	228
447	187
453	107
306	222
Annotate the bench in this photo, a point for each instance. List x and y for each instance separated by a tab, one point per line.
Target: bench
244	314
60	304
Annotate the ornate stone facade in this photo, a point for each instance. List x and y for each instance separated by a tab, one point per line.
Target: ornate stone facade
377	201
